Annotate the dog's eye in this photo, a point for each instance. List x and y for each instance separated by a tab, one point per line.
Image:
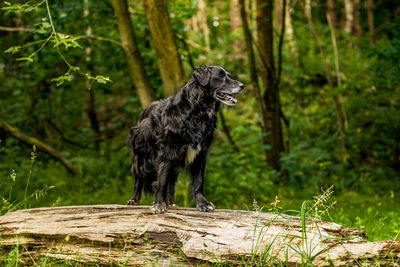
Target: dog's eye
222	73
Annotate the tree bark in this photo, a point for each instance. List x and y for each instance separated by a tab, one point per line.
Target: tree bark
278	13
349	14
40	145
272	103
307	8
90	97
356	29
126	235
132	54
169	60
352	12
199	22
331	6
236	24
371	23
290	34
252	65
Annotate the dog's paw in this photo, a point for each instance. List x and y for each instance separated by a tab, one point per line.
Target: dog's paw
131	202
160	207
206	207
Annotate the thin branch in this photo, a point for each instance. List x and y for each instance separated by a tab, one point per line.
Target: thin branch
50	19
100	38
40	145
227	132
186	47
337	68
16	29
60	133
265	63
196	45
287	124
280	44
328	75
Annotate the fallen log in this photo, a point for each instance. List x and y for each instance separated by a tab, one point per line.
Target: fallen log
134	235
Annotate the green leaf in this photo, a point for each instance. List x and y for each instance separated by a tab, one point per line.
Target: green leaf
65	40
25	59
102	79
13	49
60	80
12	257
45	24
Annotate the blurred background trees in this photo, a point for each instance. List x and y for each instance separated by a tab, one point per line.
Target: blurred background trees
321	104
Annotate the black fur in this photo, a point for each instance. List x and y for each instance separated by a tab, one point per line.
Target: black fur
177	132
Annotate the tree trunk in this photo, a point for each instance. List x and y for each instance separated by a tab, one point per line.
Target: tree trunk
236	25
169	60
290	35
308	8
252	65
356	28
126	235
132	54
201	22
90	97
349	14
272	103
331	6
371	23
278	13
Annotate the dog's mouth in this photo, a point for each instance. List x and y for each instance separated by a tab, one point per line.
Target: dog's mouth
226	98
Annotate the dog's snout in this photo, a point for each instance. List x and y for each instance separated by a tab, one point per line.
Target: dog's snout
241	86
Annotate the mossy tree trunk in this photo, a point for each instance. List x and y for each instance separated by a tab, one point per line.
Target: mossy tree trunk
133	59
169	61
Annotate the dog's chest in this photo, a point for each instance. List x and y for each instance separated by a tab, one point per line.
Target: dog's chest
191	153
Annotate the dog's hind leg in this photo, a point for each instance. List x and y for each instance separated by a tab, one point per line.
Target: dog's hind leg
140	179
137	192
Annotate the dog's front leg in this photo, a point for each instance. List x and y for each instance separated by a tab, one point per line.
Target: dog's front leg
165	173
197	172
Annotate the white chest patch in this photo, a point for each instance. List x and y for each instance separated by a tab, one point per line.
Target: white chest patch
192	153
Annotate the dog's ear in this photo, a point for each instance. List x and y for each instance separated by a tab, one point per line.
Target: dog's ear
202	75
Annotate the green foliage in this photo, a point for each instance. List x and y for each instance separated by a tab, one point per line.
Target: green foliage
21	8
43	94
58	39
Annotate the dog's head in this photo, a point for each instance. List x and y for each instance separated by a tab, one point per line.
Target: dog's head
218	83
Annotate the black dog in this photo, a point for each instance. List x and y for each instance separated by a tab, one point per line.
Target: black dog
176	132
